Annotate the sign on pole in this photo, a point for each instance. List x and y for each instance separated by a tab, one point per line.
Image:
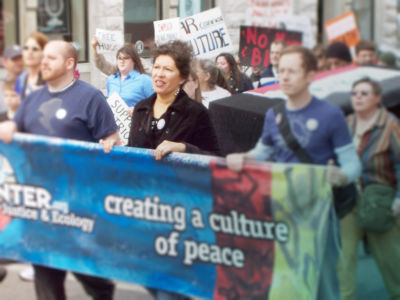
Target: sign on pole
343	29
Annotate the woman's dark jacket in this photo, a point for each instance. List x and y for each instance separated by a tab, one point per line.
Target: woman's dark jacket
186	121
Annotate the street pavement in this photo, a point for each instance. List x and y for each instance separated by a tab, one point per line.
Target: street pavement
369	284
13	288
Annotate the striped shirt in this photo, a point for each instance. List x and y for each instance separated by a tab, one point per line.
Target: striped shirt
379	150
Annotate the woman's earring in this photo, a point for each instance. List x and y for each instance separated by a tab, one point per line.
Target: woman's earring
177	91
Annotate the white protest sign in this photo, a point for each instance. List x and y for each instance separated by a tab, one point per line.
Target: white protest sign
109	42
122	118
205	31
166	30
261	12
298	23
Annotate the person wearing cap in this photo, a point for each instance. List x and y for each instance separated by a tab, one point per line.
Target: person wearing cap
387	59
12	62
338	55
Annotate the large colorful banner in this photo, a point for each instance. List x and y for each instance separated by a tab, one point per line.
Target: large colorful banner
185	223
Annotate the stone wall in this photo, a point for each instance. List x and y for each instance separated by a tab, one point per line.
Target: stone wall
106	15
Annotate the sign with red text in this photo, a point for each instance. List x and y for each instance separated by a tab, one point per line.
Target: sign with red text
255	43
263	12
343	29
206	32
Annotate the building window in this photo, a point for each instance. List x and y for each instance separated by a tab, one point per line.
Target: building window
65	19
9	33
364	11
191	7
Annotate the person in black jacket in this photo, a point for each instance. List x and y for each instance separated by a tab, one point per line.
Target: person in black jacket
169	121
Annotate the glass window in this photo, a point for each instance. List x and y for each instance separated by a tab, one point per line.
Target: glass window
191	7
65	19
8	23
364	11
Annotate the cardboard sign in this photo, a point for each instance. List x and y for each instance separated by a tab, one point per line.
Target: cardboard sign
109	43
206	32
122	118
166	30
343	29
262	12
255	43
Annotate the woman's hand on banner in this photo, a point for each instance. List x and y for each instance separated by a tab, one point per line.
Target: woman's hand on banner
110	141
166	147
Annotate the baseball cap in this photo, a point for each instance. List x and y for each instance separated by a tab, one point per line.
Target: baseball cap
12	51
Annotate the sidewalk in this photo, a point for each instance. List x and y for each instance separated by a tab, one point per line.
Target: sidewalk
13	288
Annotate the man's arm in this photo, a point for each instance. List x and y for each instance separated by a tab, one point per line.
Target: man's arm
260	152
110	141
7	130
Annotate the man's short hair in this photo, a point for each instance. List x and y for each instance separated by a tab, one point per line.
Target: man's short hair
71	52
365	45
309	61
376	87
279	42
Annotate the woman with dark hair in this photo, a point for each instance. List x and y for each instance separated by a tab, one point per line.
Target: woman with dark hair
238	82
130	82
192	86
169	121
212	82
32	54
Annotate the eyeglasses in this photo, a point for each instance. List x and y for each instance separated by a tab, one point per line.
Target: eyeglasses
362	93
34	49
123	58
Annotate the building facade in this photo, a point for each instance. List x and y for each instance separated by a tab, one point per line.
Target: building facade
377	20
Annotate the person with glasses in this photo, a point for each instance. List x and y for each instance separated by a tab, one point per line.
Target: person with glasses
130	81
32	53
376	135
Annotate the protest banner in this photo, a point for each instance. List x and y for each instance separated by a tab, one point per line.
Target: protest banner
255	43
185	223
122	118
205	31
109	43
343	29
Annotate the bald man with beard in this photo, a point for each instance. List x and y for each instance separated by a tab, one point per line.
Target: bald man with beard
68	108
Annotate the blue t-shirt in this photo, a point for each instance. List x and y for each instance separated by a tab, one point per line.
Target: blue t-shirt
79	112
320	128
134	88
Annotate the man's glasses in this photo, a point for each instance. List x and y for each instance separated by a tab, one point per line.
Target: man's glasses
362	93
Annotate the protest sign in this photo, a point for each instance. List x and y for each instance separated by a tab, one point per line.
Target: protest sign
261	13
343	29
166	30
185	223
109	42
205	31
255	43
122	118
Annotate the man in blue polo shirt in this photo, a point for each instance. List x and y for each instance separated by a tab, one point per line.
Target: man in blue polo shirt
321	130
